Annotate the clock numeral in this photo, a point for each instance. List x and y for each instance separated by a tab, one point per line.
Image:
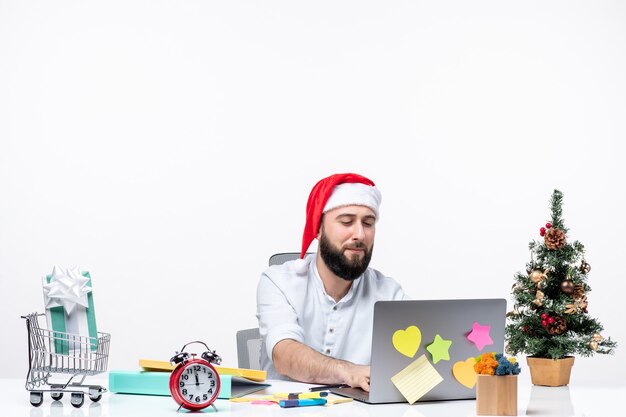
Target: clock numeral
210	391
185	377
196	367
197	399
210	374
184	392
191	397
212	382
181	384
205	397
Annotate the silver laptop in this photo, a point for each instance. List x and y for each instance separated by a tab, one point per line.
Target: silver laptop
453	320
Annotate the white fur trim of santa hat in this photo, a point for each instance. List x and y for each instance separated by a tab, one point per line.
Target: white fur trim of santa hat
354	194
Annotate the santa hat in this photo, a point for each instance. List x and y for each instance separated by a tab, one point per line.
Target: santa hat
338	190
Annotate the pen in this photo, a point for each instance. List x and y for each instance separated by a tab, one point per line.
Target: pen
327	387
302	403
299	395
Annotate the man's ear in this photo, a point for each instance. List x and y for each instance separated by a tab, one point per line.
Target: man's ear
319	231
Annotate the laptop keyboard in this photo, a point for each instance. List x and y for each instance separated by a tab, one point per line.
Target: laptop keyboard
356	393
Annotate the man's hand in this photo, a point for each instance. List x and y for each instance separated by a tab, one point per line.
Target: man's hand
357	376
301	363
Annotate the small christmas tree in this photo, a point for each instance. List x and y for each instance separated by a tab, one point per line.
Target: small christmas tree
550	317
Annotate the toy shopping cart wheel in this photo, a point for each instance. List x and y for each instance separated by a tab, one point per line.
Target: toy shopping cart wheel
51	352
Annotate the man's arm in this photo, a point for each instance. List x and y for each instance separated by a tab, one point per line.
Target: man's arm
301	363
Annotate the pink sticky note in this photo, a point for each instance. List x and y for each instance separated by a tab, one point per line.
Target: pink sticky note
480	335
262	402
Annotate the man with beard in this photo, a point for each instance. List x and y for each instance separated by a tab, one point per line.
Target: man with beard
315	314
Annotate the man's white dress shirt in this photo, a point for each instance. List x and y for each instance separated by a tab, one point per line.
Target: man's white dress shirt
296	306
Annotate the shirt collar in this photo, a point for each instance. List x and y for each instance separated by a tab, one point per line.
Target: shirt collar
318	280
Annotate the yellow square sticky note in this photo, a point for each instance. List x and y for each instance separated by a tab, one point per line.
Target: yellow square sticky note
335	399
416	379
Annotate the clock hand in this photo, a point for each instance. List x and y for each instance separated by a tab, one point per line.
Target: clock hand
197	380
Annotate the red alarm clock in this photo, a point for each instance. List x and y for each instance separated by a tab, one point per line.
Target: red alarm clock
195	383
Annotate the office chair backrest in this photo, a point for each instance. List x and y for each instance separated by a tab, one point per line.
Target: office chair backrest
249	340
281	258
249	349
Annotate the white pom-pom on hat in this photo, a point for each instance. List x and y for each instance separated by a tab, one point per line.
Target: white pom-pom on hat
302	265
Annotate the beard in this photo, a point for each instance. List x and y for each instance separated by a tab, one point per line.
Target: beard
341	265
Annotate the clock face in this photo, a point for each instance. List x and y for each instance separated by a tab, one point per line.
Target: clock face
198	384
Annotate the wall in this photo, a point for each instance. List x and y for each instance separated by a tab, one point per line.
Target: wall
169	147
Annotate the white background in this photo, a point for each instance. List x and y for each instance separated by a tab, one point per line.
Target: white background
168	147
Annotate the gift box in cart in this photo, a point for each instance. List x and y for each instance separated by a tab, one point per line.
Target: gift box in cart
54	356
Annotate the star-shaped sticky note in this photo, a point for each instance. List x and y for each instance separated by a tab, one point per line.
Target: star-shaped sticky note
480	336
439	349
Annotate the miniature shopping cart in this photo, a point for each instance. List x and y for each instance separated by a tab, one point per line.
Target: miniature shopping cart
51	352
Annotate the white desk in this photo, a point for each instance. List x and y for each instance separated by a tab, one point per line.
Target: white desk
532	400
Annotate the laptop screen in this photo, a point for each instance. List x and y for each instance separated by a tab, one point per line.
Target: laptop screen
449	333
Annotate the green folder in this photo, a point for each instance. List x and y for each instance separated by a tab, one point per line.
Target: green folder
158	383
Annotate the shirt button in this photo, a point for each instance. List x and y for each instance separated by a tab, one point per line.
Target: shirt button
327	351
335	308
331	330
